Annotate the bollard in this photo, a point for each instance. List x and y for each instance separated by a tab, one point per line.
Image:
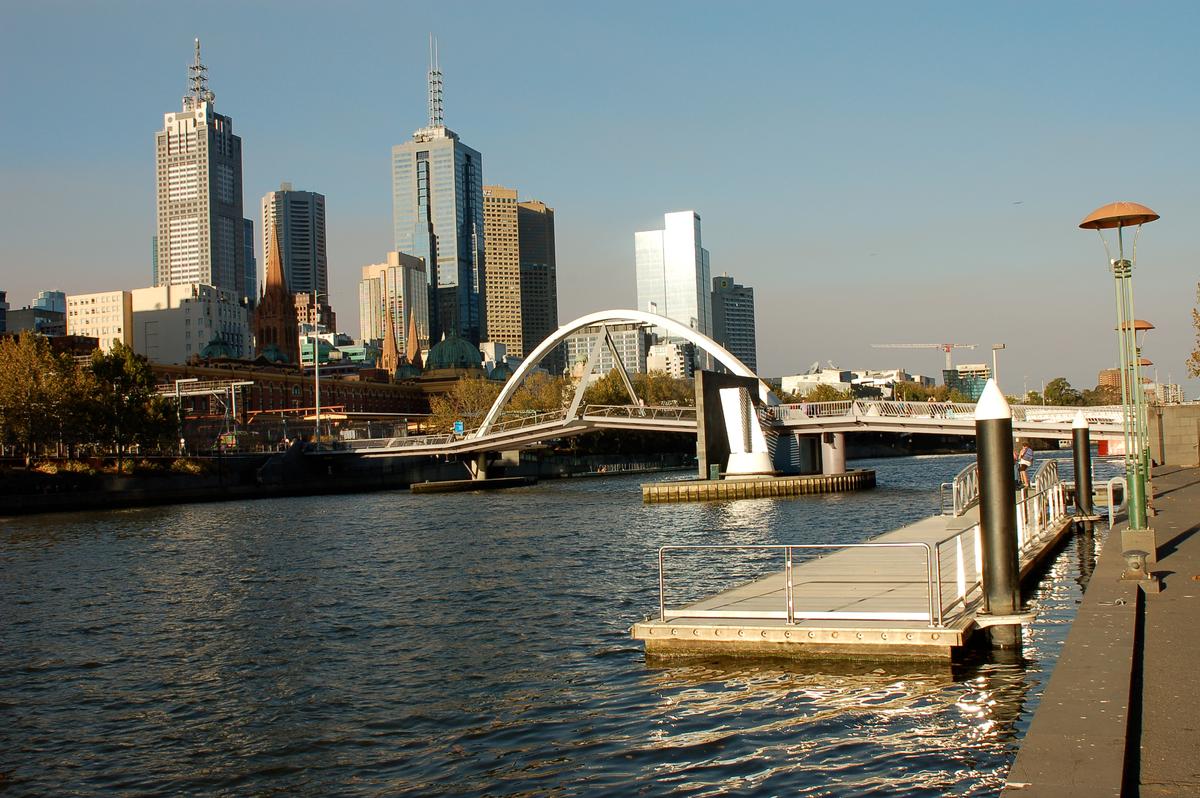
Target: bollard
998	514
1081	439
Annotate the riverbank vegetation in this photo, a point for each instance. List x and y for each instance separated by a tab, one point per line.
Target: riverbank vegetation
55	404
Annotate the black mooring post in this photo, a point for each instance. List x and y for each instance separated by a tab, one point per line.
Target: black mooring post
998	513
1081	439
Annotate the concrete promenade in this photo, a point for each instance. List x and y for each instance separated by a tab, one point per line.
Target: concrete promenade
1121	715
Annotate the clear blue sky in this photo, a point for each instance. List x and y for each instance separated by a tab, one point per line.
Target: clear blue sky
879	172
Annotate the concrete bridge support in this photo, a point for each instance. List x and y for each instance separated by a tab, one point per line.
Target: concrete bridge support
833	453
478	466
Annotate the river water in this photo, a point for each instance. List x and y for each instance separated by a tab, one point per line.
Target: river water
467	644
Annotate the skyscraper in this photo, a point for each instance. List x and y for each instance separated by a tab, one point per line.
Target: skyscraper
733	319
199	193
298	219
251	262
539	279
520	273
401	285
437	215
672	272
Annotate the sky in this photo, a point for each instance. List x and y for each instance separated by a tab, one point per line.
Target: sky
878	172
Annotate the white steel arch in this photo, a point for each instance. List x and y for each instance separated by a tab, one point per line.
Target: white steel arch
722	354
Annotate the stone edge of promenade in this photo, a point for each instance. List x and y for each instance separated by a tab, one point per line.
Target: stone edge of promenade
1099	723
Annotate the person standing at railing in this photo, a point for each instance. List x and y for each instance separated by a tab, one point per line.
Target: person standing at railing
1024	459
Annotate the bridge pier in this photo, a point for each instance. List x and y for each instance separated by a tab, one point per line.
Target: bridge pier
478	466
833	453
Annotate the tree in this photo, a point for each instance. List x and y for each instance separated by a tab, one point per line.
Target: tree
1102	395
130	410
468	401
27	398
1059	392
541	393
826	393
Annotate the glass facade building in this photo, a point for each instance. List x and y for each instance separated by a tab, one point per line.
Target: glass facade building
437	215
400	283
733	319
673	273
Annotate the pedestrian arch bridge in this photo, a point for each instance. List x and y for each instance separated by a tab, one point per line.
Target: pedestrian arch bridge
503	430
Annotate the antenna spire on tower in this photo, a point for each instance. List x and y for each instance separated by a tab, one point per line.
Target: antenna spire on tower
198	79
435	85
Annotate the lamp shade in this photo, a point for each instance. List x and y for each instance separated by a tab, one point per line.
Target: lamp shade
1118	214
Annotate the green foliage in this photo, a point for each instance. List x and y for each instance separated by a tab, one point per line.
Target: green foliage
916	392
468	401
1059	392
826	393
129	410
541	393
655	388
43	396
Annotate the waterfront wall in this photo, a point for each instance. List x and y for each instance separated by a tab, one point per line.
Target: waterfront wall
289	473
1175	434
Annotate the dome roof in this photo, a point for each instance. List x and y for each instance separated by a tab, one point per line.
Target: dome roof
216	349
501	372
273	354
407	371
453	352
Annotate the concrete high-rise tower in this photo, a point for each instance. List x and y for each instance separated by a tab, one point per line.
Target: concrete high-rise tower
733	319
521	278
437	215
199	193
298	218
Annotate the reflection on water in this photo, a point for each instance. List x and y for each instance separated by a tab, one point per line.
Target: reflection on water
467	644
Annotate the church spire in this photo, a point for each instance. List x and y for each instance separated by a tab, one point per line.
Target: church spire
435	86
412	343
275	275
389	361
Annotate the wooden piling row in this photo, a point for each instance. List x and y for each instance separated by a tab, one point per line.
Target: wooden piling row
765	488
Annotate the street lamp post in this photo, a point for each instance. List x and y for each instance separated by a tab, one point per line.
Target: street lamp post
179	413
1120	215
995	371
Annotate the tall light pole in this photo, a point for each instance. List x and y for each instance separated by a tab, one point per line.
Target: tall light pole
179	412
1120	215
995	371
316	342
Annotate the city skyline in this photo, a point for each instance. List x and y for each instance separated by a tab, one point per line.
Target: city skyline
934	204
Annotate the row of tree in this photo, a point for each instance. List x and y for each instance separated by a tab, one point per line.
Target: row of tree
49	401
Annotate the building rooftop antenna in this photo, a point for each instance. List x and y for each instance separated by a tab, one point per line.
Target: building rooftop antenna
198	91
435	85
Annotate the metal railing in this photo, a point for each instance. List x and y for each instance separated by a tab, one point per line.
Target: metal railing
960	552
643	412
1113	507
966	489
961	411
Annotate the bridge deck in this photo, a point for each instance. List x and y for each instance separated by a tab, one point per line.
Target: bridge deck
874	582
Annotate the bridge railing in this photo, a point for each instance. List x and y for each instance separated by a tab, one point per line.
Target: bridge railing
651	412
802	410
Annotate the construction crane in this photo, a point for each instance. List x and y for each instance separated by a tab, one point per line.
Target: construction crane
944	347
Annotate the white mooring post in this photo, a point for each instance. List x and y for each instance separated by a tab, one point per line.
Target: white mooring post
998	516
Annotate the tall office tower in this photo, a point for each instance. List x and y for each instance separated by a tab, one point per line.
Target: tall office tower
298	218
199	193
522	285
502	270
3	311
153	260
673	274
399	284
539	280
437	215
251	263
733	319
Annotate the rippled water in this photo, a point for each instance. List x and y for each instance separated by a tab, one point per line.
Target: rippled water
465	644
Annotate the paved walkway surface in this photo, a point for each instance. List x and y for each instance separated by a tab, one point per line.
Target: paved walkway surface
1121	715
